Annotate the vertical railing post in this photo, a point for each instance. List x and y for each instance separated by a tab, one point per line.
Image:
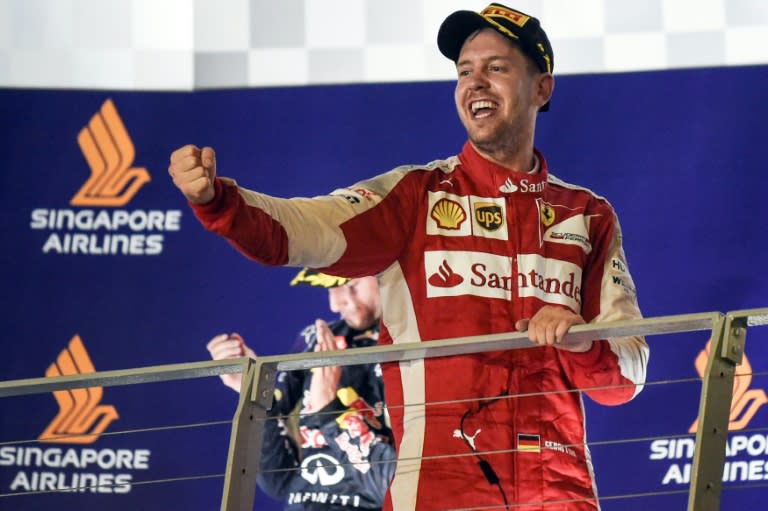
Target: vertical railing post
247	435
727	349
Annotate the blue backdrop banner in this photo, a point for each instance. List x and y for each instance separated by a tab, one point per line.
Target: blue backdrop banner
104	266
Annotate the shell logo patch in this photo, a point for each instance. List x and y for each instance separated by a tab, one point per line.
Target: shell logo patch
448	214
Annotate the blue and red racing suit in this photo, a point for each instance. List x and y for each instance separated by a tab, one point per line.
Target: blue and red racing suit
344	457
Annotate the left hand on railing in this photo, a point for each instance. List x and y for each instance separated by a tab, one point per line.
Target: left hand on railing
227	346
550	324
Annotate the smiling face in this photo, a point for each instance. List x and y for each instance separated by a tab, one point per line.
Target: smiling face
498	95
357	302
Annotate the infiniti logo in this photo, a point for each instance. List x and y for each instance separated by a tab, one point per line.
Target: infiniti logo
323	469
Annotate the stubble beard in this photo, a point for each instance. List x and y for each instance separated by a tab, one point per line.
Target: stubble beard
501	143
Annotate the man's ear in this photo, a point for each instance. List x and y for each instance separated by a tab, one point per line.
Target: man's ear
545	86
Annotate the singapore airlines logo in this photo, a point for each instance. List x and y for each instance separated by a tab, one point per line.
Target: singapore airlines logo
744	448
81	418
96	223
745	402
109	151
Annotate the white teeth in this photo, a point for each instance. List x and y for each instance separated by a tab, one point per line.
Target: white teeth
477	105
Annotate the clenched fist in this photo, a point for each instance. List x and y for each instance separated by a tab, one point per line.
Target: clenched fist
193	170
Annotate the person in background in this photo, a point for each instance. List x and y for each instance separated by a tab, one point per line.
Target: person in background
342	456
485	242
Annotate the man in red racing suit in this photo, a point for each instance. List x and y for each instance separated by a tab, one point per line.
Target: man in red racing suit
474	244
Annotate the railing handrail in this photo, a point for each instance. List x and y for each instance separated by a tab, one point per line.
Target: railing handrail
373	354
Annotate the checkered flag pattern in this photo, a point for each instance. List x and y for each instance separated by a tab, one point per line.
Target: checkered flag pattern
200	44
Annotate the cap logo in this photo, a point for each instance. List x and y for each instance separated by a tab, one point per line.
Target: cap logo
515	17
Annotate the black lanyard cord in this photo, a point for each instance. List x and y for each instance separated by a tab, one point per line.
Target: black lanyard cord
485	467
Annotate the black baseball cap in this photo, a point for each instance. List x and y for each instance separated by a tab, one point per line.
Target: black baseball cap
523	30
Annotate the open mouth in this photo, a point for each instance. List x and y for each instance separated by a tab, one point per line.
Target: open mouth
482	108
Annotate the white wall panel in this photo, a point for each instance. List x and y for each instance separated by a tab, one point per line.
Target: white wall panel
181	44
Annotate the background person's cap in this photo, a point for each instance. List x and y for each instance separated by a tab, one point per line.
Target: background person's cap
523	30
315	278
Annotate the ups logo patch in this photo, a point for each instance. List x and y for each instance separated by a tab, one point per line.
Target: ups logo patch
489	215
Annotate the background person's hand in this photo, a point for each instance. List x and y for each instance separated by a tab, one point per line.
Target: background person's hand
550	324
225	346
193	171
325	380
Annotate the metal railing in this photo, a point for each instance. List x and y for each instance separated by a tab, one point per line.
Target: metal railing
728	335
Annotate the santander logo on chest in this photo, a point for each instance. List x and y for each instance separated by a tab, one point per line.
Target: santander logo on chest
525	185
458	272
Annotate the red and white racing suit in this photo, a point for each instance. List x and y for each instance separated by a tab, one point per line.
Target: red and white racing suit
465	247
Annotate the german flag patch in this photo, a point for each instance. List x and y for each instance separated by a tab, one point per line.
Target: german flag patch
528	443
